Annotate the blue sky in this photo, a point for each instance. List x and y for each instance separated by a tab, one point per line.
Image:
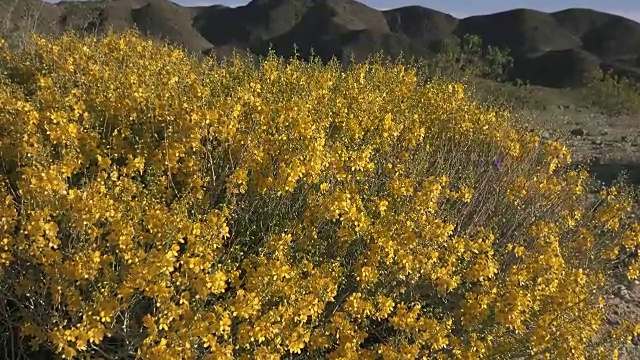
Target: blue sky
463	8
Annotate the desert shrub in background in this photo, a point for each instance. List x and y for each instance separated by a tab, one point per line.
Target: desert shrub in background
465	59
20	18
482	69
613	94
154	206
17	20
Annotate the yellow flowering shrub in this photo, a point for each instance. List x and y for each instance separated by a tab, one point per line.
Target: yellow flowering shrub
160	207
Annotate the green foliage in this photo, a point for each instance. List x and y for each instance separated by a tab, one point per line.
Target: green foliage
467	58
611	93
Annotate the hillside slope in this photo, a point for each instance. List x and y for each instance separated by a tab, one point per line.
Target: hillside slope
571	41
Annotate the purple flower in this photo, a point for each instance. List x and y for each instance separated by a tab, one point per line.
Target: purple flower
497	163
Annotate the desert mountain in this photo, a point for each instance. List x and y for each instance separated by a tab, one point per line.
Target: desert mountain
550	49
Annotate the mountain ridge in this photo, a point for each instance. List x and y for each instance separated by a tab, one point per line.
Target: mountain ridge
576	39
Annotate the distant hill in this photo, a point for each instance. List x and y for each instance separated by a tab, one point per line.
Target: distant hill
550	49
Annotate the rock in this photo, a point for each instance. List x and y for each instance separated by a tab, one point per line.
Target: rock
597	141
545	136
578	132
613	322
622	292
625	294
597	160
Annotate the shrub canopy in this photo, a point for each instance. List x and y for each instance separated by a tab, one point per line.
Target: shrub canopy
154	206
